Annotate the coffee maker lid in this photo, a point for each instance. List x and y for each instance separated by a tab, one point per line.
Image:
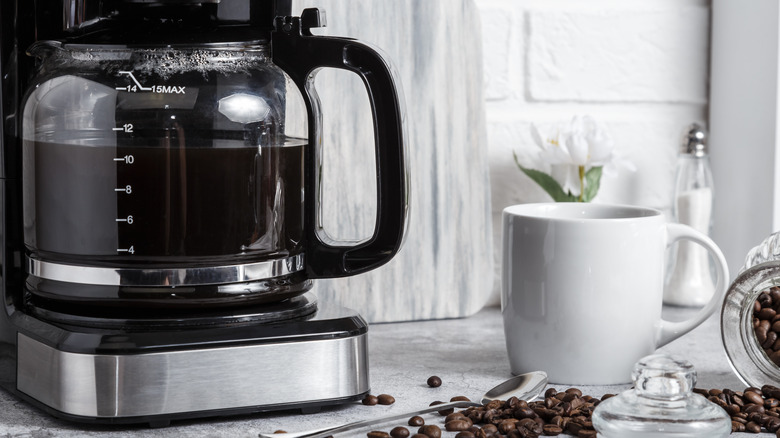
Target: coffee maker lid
172	2
175	22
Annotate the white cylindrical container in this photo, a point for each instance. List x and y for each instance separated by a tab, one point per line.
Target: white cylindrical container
690	281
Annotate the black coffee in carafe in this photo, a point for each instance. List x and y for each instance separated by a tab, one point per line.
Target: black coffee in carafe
165	202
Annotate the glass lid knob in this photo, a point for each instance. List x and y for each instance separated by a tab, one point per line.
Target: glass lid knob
663	377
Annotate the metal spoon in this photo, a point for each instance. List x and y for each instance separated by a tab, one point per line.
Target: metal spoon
525	387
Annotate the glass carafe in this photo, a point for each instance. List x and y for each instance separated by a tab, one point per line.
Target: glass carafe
186	175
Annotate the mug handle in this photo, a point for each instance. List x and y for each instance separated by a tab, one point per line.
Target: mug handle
669	331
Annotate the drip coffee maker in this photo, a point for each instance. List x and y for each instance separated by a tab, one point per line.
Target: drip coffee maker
160	181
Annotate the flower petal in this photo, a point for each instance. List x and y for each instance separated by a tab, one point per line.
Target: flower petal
537	136
568	176
578	149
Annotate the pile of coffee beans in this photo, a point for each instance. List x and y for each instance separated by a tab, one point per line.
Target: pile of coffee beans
560	412
753	410
766	322
567	412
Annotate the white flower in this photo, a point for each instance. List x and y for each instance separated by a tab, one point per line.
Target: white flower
572	149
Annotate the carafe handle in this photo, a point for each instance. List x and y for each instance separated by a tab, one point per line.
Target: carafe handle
301	54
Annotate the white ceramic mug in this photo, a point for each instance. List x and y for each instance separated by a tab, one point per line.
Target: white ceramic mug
582	288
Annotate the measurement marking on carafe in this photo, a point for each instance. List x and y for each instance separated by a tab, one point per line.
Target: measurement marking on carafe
127	127
162	89
127	159
130	250
137	84
127	189
128	219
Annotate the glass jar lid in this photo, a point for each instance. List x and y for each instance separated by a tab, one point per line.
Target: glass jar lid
661	402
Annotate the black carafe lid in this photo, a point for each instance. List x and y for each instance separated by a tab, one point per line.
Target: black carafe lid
171	22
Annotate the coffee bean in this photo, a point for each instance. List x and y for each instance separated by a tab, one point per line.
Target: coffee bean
569	397
771	338
771	391
457	425
514	402
587	433
430	430
455	416
551	430
385	399
490	428
767	313
753	397
434	381
465	434
507	425
378	434
419	435
443	412
416	421
752	427
494	404
370	400
460	398
399	432
574	428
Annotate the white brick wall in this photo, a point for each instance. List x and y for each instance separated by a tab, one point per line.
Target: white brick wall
639	67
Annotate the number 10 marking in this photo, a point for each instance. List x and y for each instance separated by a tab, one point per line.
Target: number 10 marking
127	159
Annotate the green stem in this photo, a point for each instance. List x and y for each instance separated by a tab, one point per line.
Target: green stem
582	182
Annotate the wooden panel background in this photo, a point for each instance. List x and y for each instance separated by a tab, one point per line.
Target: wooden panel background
445	268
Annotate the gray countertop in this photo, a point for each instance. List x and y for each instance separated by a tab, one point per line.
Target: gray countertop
468	354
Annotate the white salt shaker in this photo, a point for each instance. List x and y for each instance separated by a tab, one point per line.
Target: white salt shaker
690	282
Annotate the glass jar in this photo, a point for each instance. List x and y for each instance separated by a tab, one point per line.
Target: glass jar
662	402
750	319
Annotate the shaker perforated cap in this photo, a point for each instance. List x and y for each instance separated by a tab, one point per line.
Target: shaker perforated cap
694	141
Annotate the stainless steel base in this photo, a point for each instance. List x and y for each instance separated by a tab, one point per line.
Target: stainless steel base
269	374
